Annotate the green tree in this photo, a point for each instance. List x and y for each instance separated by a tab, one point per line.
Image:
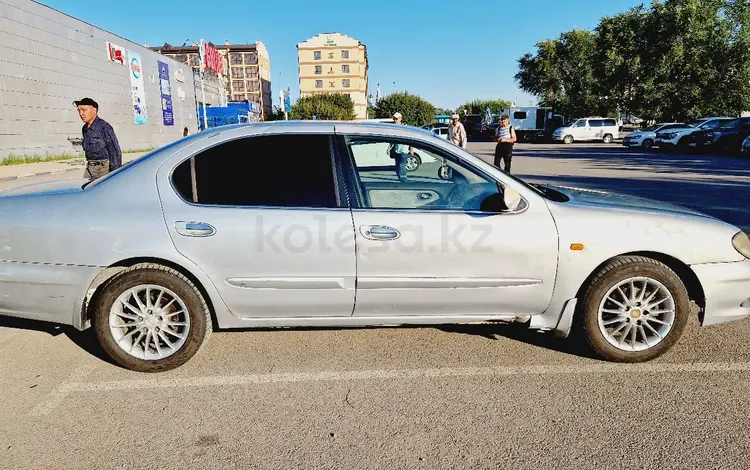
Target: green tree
416	111
479	106
325	106
439	111
276	115
677	60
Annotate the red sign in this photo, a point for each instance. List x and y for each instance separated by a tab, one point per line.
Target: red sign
213	58
115	53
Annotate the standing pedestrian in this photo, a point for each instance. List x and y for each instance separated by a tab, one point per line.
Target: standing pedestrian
456	132
400	152
505	136
100	144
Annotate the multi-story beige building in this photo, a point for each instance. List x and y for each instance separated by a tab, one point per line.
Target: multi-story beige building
247	68
334	63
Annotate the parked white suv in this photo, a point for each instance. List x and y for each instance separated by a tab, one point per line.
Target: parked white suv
681	137
587	129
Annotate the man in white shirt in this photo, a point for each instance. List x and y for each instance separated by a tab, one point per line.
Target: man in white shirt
456	132
400	152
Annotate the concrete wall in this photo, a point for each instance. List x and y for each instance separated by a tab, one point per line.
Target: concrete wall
49	59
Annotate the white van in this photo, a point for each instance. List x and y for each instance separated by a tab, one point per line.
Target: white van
587	129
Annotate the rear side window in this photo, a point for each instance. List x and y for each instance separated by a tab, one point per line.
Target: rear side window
273	171
610	122
595	122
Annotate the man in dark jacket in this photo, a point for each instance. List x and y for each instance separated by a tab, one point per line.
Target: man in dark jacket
100	143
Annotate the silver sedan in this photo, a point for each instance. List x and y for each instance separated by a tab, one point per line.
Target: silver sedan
320	224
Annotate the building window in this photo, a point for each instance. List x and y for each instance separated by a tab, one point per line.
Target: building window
253	85
345	68
238	97
346	83
237	72
238	85
235	58
183	58
251	58
195	60
317	55
332	84
344	54
318	83
318	70
251	72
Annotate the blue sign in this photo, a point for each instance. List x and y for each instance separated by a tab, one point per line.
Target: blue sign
288	101
166	94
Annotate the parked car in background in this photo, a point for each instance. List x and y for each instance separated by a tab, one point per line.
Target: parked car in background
332	240
588	129
726	138
645	138
682	138
746	146
532	123
440	131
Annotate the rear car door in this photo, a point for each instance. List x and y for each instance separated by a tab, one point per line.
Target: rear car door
427	247
262	215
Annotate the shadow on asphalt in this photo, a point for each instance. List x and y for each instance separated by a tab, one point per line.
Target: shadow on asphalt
522	334
85	340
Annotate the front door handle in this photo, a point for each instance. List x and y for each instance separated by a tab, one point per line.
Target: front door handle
379	232
194	229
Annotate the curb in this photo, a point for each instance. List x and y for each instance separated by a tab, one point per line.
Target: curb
43	173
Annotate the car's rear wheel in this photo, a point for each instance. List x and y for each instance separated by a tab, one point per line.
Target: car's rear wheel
607	139
647	144
634	309
568	139
151	318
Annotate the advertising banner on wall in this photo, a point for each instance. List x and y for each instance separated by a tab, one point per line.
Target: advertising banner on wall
166	94
137	88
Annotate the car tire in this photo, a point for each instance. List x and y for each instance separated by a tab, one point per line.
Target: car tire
413	162
170	292
568	139
639	311
647	144
607	139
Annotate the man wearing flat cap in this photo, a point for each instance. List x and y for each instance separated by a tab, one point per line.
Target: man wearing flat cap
100	143
456	132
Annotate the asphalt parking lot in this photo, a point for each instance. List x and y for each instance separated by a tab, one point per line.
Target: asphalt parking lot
470	396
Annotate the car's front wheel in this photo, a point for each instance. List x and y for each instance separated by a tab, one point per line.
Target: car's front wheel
151	318
568	139
634	309
412	162
647	144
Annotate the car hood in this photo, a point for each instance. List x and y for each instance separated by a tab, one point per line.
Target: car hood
47	188
610	200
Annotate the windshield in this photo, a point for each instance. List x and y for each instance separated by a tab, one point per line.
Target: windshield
729	124
710	124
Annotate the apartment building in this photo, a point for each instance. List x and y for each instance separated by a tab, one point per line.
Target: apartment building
247	68
334	63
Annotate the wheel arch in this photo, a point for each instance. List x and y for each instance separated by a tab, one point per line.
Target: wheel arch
96	286
687	276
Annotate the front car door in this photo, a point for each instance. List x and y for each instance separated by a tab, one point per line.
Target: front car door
263	216
430	246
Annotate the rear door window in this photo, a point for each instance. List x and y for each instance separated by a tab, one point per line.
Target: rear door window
267	171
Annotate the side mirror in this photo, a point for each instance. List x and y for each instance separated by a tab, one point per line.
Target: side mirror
512	199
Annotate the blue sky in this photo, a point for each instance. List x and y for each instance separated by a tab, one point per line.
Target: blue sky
446	51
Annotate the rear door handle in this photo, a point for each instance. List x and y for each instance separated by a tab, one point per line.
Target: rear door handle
194	229
379	232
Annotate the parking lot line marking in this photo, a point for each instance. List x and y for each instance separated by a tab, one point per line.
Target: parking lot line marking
61	392
334	376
